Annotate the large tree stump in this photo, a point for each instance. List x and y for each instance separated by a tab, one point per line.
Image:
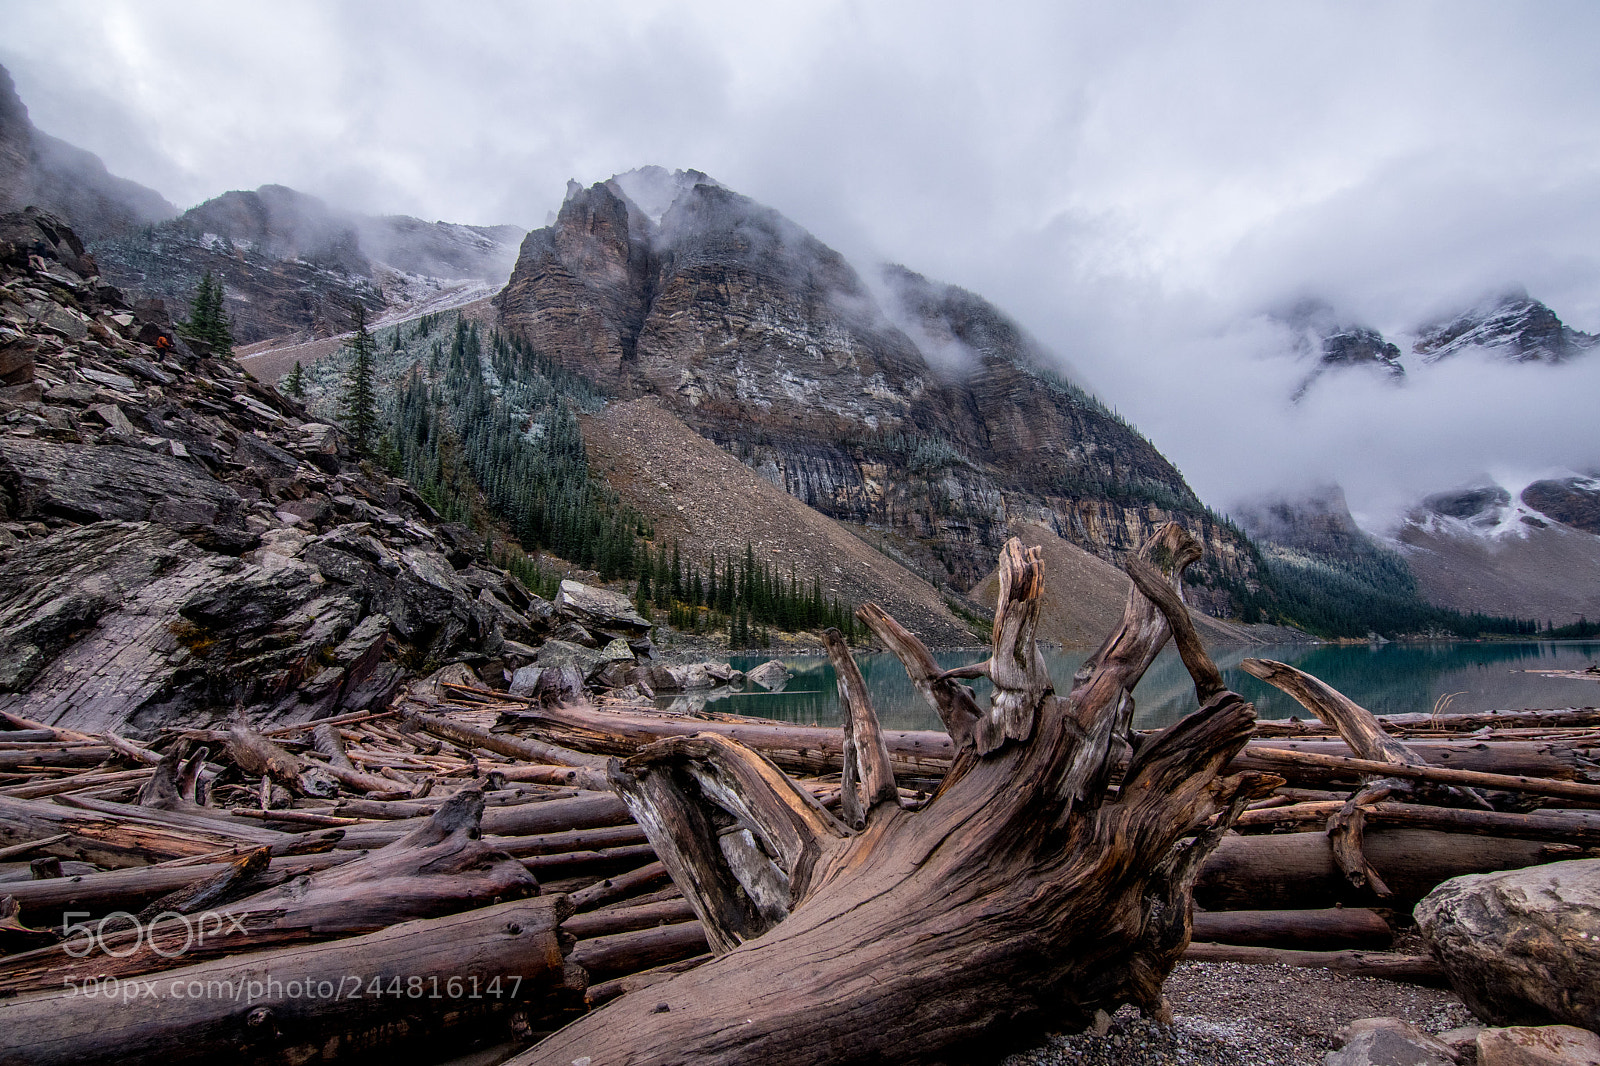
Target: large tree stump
1029	891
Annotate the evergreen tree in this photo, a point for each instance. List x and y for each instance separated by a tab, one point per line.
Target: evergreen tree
295	383
207	321
360	399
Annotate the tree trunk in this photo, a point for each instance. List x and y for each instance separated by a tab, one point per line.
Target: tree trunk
299	1004
1027	891
1418	969
1314	930
442	866
1292	870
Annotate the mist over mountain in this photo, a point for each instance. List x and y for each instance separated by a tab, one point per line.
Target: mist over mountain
40	170
293	266
931	415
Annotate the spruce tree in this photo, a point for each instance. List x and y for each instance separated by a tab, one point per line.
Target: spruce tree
360	399
295	383
207	321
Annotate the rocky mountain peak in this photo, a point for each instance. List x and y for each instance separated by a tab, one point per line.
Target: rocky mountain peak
1513	326
293	265
768	342
281	223
653	190
1335	342
1316	520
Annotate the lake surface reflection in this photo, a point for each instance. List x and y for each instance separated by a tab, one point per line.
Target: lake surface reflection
1386	679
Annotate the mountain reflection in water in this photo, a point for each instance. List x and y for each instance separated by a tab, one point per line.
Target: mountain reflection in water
1386	679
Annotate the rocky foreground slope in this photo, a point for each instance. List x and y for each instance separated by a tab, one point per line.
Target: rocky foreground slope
179	543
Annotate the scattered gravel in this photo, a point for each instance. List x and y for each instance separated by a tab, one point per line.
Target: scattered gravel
1229	1014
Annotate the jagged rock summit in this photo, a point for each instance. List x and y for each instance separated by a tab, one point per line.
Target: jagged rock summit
1513	326
1335	343
179	543
905	405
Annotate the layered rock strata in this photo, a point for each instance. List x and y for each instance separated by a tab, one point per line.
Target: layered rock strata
914	408
180	544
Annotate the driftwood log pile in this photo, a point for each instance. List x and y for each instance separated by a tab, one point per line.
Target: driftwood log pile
469	868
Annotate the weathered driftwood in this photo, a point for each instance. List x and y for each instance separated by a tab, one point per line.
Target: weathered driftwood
927	755
260	757
1553	759
1287	759
1459	722
123	836
1026	889
15	935
440	867
1557	827
175	784
1416	969
587	810
515	747
77	783
1292	870
370	992
606	957
1306	930
796	749
1359	728
620	887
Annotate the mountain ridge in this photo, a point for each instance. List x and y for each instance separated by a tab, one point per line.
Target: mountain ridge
39	170
769	343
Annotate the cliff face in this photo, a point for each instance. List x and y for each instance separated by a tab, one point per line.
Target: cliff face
915	408
39	170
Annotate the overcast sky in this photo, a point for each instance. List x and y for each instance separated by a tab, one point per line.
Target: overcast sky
1137	183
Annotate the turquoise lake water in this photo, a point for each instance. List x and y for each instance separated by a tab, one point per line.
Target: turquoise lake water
1386	679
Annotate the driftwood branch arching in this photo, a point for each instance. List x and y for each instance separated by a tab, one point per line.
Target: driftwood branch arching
1029	889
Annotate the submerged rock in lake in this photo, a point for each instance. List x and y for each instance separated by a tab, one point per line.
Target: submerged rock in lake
770	675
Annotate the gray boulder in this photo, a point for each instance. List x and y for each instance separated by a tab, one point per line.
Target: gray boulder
1388	1042
1521	947
1542	1045
601	609
561	653
770	675
525	682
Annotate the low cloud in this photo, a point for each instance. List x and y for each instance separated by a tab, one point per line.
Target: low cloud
1137	186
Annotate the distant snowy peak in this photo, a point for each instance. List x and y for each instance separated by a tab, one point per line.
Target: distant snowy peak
1491	511
1337	343
1513	326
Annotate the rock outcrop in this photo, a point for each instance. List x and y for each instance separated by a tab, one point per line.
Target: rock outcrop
1521	947
911	407
179	543
1389	1042
1535	554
